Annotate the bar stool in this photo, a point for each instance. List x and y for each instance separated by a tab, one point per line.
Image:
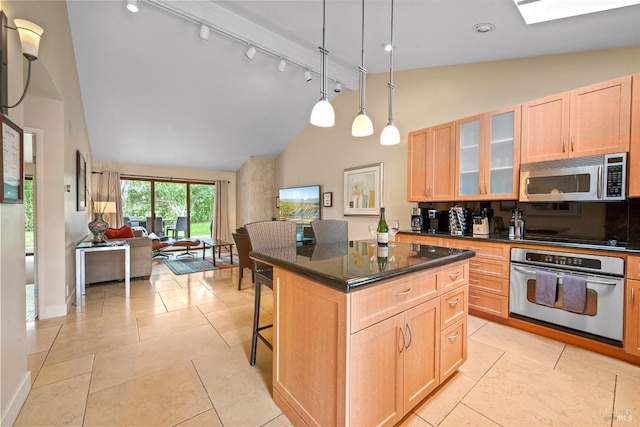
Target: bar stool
330	231
266	235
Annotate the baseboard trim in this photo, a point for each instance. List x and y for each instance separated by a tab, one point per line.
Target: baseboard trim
10	416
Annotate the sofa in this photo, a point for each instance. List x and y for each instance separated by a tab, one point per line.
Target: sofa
109	265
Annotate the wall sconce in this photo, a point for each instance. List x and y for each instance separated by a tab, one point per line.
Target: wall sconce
30	35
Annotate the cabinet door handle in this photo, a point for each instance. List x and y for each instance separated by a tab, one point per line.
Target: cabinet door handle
404	340
474	265
572	143
454	302
474	297
632	297
407	292
454	276
474	281
564	144
454	337
410	336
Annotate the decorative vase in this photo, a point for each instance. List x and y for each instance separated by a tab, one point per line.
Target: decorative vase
97	227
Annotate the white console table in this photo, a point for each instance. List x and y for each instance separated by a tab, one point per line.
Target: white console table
83	247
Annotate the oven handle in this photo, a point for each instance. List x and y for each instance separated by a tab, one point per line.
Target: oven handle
595	282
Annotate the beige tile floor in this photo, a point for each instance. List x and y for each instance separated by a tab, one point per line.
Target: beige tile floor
176	354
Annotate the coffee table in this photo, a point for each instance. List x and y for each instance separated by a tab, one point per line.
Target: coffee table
213	244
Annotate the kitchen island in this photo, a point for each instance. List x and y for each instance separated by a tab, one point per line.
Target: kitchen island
360	342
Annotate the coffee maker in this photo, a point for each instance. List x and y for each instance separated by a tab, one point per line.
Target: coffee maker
416	219
432	221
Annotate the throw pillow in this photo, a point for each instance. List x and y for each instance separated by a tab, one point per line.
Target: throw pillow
123	232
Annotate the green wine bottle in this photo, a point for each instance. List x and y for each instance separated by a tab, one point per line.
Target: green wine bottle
383	230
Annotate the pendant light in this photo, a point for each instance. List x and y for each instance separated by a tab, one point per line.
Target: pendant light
390	134
362	125
322	114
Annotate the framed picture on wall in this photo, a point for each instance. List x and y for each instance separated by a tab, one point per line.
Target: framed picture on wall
12	183
363	190
81	181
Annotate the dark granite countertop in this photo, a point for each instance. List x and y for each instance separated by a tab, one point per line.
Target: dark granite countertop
348	265
564	244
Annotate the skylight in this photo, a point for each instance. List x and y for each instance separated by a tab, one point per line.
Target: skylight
535	11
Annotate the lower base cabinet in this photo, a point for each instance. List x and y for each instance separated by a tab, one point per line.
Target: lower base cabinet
366	357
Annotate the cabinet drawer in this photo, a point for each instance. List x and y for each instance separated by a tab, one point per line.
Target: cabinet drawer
485	302
497	251
489	267
453	306
377	303
419	239
496	285
453	348
633	267
453	277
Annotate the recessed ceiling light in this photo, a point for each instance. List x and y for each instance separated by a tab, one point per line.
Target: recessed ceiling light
484	27
534	11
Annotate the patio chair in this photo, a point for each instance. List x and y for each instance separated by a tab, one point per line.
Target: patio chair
180	225
157	228
266	235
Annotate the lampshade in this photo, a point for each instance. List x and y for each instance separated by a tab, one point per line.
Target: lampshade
362	125
30	35
104	207
322	114
390	135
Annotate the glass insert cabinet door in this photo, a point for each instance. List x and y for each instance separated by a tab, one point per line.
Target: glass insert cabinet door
488	155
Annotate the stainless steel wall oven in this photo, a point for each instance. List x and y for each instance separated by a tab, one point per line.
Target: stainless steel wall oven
577	293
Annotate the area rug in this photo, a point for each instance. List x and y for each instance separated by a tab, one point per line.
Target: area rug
196	265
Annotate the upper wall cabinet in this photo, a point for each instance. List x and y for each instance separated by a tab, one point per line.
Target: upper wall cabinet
584	122
634	147
488	155
431	164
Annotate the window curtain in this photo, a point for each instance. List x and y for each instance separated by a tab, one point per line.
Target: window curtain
114	195
220	229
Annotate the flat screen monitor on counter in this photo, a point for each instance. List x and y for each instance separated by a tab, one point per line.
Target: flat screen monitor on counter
299	204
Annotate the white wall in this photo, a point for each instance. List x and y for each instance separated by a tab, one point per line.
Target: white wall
424	98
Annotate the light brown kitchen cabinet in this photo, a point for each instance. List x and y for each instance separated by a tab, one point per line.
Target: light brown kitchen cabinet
632	310
588	121
488	155
488	276
366	357
419	239
431	164
634	145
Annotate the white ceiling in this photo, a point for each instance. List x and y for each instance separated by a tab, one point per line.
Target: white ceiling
155	93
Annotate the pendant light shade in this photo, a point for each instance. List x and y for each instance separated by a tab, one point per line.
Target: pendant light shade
390	134
322	114
362	125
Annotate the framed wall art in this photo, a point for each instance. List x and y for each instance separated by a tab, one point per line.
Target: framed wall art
81	181
363	190
327	199
12	190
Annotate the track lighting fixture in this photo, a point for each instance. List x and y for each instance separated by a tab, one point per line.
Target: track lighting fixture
362	125
322	114
133	6
307	76
30	35
390	134
204	32
251	52
282	64
338	87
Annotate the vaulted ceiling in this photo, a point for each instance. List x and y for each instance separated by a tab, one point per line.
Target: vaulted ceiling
156	93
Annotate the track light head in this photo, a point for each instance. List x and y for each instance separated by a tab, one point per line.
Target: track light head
133	6
282	65
204	32
338	87
251	52
307	76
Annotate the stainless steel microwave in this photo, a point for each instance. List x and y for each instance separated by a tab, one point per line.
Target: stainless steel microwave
594	178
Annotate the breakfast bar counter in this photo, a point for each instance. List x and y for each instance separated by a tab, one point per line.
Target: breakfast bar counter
358	340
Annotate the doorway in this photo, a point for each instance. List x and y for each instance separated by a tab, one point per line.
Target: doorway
29	227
